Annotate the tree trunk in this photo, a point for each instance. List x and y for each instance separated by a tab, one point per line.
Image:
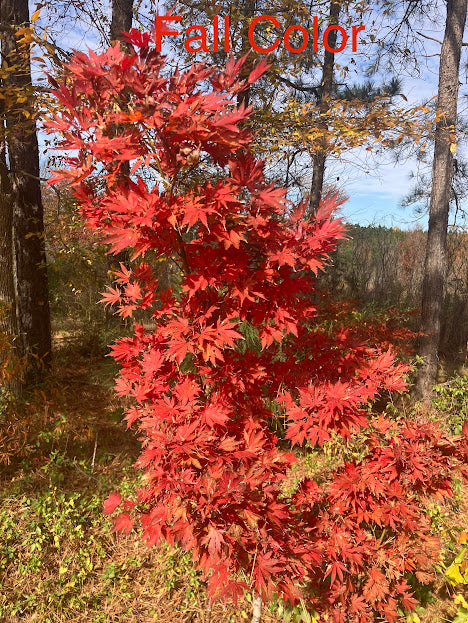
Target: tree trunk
32	294
7	283
122	17
248	12
8	324
326	92
435	266
257	609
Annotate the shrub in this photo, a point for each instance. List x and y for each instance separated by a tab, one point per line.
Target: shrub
239	344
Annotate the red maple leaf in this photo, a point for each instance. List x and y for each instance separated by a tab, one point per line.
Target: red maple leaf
112	501
123	523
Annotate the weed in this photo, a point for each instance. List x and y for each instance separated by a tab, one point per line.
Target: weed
451	400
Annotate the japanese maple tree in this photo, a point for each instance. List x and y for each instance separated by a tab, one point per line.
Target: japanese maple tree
237	347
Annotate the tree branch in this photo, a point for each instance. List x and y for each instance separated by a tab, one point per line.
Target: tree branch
427	37
300	87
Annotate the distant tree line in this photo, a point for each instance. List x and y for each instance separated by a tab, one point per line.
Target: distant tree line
384	267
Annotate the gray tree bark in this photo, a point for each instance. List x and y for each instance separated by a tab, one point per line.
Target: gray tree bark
435	267
32	294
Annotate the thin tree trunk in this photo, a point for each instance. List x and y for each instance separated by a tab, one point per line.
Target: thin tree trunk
248	12
122	18
435	267
33	315
326	92
257	609
121	21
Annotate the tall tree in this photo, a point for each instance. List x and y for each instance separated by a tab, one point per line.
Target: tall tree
442	172
32	296
325	93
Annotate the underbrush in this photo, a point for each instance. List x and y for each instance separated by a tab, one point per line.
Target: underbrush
450	402
60	560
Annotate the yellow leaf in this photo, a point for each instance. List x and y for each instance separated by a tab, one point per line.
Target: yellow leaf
26	39
454	575
453	148
35	15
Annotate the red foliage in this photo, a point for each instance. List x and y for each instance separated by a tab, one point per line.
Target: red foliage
238	341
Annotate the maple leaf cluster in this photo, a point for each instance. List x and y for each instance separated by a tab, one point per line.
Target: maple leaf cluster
236	344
